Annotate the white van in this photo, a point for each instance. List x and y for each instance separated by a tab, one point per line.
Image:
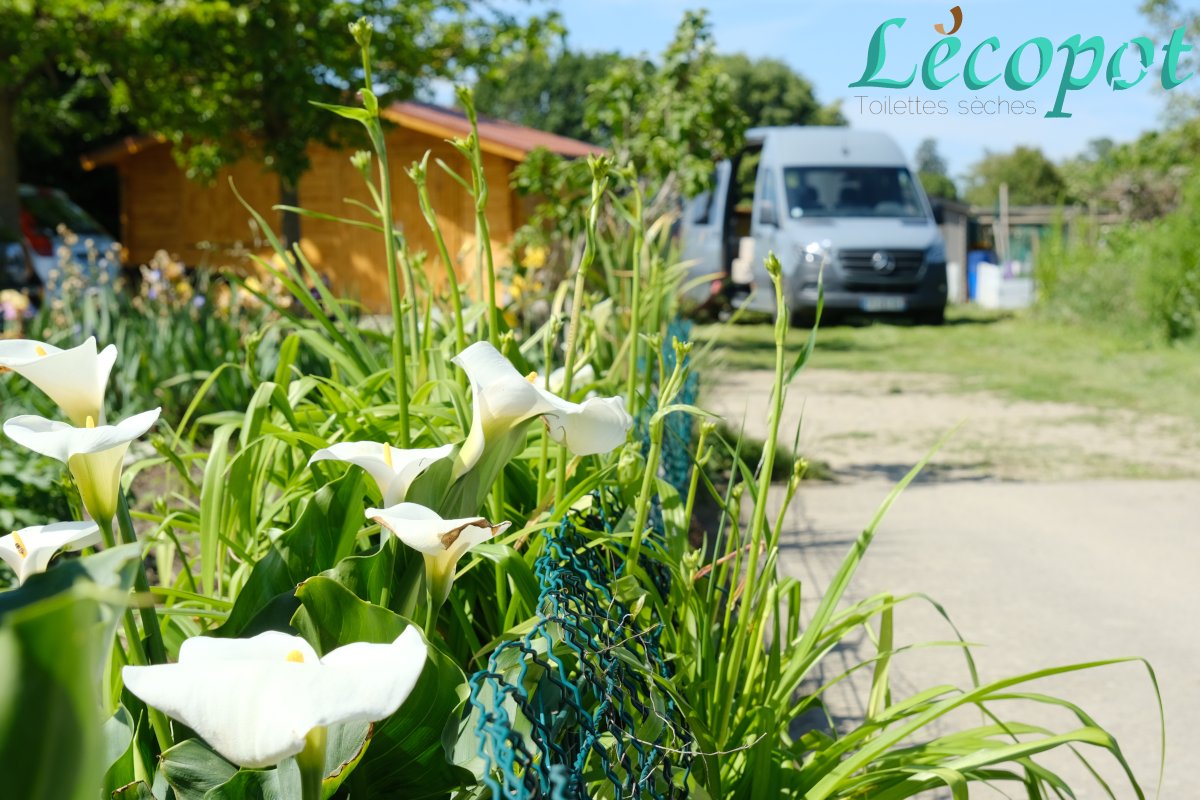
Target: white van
832	200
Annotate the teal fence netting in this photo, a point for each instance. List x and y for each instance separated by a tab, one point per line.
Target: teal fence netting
576	701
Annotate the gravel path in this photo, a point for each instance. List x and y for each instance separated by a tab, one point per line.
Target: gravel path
1030	532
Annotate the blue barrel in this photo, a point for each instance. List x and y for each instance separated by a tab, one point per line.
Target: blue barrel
974	259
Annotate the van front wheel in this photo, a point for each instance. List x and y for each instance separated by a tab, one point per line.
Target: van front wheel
932	316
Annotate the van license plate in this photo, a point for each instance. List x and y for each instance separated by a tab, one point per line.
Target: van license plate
883	303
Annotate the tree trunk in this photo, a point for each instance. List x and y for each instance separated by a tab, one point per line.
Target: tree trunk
10	201
289	195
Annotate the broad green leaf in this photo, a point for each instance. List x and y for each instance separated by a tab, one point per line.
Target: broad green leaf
50	732
327	527
117	737
134	791
192	769
394	573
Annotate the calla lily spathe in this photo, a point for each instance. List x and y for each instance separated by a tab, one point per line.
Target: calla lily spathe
94	454
503	399
74	378
29	550
255	700
441	541
393	469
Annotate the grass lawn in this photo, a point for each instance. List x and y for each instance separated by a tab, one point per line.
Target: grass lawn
1018	355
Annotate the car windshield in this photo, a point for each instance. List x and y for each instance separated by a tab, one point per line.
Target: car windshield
851	192
50	209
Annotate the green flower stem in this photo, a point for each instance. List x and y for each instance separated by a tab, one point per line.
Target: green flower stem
158	652
647	491
746	606
149	615
483	236
385	594
311	761
399	350
600	167
419	175
635	313
694	480
666	396
549	337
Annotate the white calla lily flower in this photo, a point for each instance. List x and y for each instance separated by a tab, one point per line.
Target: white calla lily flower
74	378
29	550
393	469
94	454
441	541
257	700
503	399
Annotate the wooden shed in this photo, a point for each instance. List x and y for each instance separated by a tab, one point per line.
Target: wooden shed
202	223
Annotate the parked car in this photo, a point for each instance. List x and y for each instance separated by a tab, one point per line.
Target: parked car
16	269
50	221
833	201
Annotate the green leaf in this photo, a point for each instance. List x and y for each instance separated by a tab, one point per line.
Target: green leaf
406	757
134	791
326	528
349	112
50	740
192	769
393	569
196	772
117	737
111	569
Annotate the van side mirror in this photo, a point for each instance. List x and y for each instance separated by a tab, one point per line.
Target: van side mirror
767	214
939	212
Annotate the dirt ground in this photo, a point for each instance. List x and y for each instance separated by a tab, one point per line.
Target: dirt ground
1052	534
879	424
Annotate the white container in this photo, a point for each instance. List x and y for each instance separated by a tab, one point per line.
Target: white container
995	289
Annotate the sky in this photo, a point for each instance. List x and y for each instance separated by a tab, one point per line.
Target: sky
827	40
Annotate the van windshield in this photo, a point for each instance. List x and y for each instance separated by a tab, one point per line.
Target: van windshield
851	192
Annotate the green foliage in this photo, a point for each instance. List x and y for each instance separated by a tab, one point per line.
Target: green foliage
544	92
674	119
221	79
1031	177
769	92
938	185
1141	276
932	172
1142	179
53	51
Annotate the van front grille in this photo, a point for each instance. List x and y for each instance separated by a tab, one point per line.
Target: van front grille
904	263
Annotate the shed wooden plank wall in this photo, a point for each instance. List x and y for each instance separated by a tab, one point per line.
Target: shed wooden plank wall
161	209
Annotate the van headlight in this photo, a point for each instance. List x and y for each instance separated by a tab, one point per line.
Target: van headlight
936	254
813	256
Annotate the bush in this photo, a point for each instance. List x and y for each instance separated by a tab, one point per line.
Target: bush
1141	277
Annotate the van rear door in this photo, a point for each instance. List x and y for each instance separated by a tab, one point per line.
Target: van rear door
703	233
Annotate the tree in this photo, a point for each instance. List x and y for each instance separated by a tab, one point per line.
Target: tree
50	55
671	121
544	92
931	171
929	159
769	92
227	78
1031	177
